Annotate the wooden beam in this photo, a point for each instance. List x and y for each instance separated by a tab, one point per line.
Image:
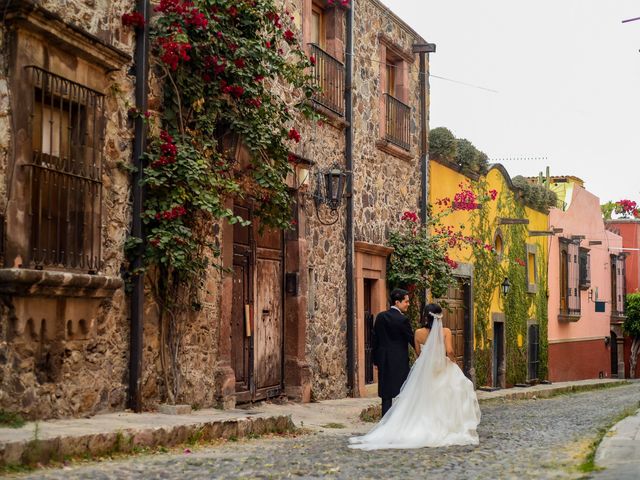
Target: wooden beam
513	221
541	233
595	242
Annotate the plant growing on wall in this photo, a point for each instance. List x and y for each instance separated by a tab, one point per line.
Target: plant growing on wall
631	327
443	145
420	260
519	306
534	194
230	71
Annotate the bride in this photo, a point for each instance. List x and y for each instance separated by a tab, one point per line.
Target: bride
437	405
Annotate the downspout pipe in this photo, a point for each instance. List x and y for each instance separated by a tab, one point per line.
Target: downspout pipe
348	136
139	147
422	49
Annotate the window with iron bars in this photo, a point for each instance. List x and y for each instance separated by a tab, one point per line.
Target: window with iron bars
65	174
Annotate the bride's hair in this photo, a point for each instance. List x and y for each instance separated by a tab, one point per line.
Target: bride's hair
428	313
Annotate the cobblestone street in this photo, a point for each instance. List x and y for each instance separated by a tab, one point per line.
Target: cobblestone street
518	439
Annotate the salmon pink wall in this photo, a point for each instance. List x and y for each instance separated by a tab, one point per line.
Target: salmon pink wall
583	217
630	232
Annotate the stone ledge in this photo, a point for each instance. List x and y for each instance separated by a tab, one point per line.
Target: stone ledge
391	149
28	282
563	317
112	440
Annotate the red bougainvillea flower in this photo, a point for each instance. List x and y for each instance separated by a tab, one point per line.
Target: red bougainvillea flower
239	62
172	214
493	194
312	60
452	263
258	78
172	6
289	36
294	135
233	11
196	19
520	262
133	19
173	51
409	216
237	91
256	102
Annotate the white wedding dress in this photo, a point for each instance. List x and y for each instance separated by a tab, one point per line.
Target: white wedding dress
437	405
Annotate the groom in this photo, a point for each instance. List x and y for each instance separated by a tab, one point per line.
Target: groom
392	335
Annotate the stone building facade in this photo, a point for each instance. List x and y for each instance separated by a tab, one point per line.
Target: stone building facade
64	332
278	321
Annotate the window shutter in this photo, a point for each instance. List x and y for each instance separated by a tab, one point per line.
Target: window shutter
620	287
574	278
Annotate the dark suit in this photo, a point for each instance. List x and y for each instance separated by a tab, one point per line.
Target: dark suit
392	335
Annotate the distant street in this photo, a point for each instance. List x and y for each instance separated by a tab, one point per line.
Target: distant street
518	439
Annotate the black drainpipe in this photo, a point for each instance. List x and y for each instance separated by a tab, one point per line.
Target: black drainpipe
422	49
139	146
348	136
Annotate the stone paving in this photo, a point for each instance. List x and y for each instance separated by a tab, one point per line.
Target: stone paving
543	438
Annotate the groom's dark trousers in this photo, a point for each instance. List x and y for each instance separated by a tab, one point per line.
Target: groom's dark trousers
392	335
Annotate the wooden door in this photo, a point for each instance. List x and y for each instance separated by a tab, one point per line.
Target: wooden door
257	339
241	307
454	317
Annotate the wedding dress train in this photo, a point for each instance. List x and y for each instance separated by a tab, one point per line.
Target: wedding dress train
437	405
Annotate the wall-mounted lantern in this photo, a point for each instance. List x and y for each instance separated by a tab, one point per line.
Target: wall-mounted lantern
505	286
329	191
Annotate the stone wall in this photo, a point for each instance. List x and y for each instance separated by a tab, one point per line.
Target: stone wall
384	185
62	366
326	328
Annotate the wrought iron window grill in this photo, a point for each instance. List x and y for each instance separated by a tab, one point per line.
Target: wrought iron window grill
328	74
65	174
397	128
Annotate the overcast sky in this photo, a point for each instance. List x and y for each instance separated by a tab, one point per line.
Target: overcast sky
567	73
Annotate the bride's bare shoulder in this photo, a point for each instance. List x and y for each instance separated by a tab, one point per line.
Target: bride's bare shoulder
446	330
421	333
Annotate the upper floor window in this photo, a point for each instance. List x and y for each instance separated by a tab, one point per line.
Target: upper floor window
318	36
64	174
618	288
585	268
532	268
569	279
323	33
396	113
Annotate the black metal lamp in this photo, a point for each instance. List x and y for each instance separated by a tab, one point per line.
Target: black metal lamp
505	286
334	182
330	186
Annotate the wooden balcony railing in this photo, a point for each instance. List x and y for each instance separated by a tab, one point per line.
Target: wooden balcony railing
397	128
328	73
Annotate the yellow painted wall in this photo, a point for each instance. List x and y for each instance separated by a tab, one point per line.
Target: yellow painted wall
445	182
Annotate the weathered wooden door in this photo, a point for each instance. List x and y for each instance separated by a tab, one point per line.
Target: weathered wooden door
269	318
257	310
241	306
455	315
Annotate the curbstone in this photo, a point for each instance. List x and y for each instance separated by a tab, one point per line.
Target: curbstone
44	450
